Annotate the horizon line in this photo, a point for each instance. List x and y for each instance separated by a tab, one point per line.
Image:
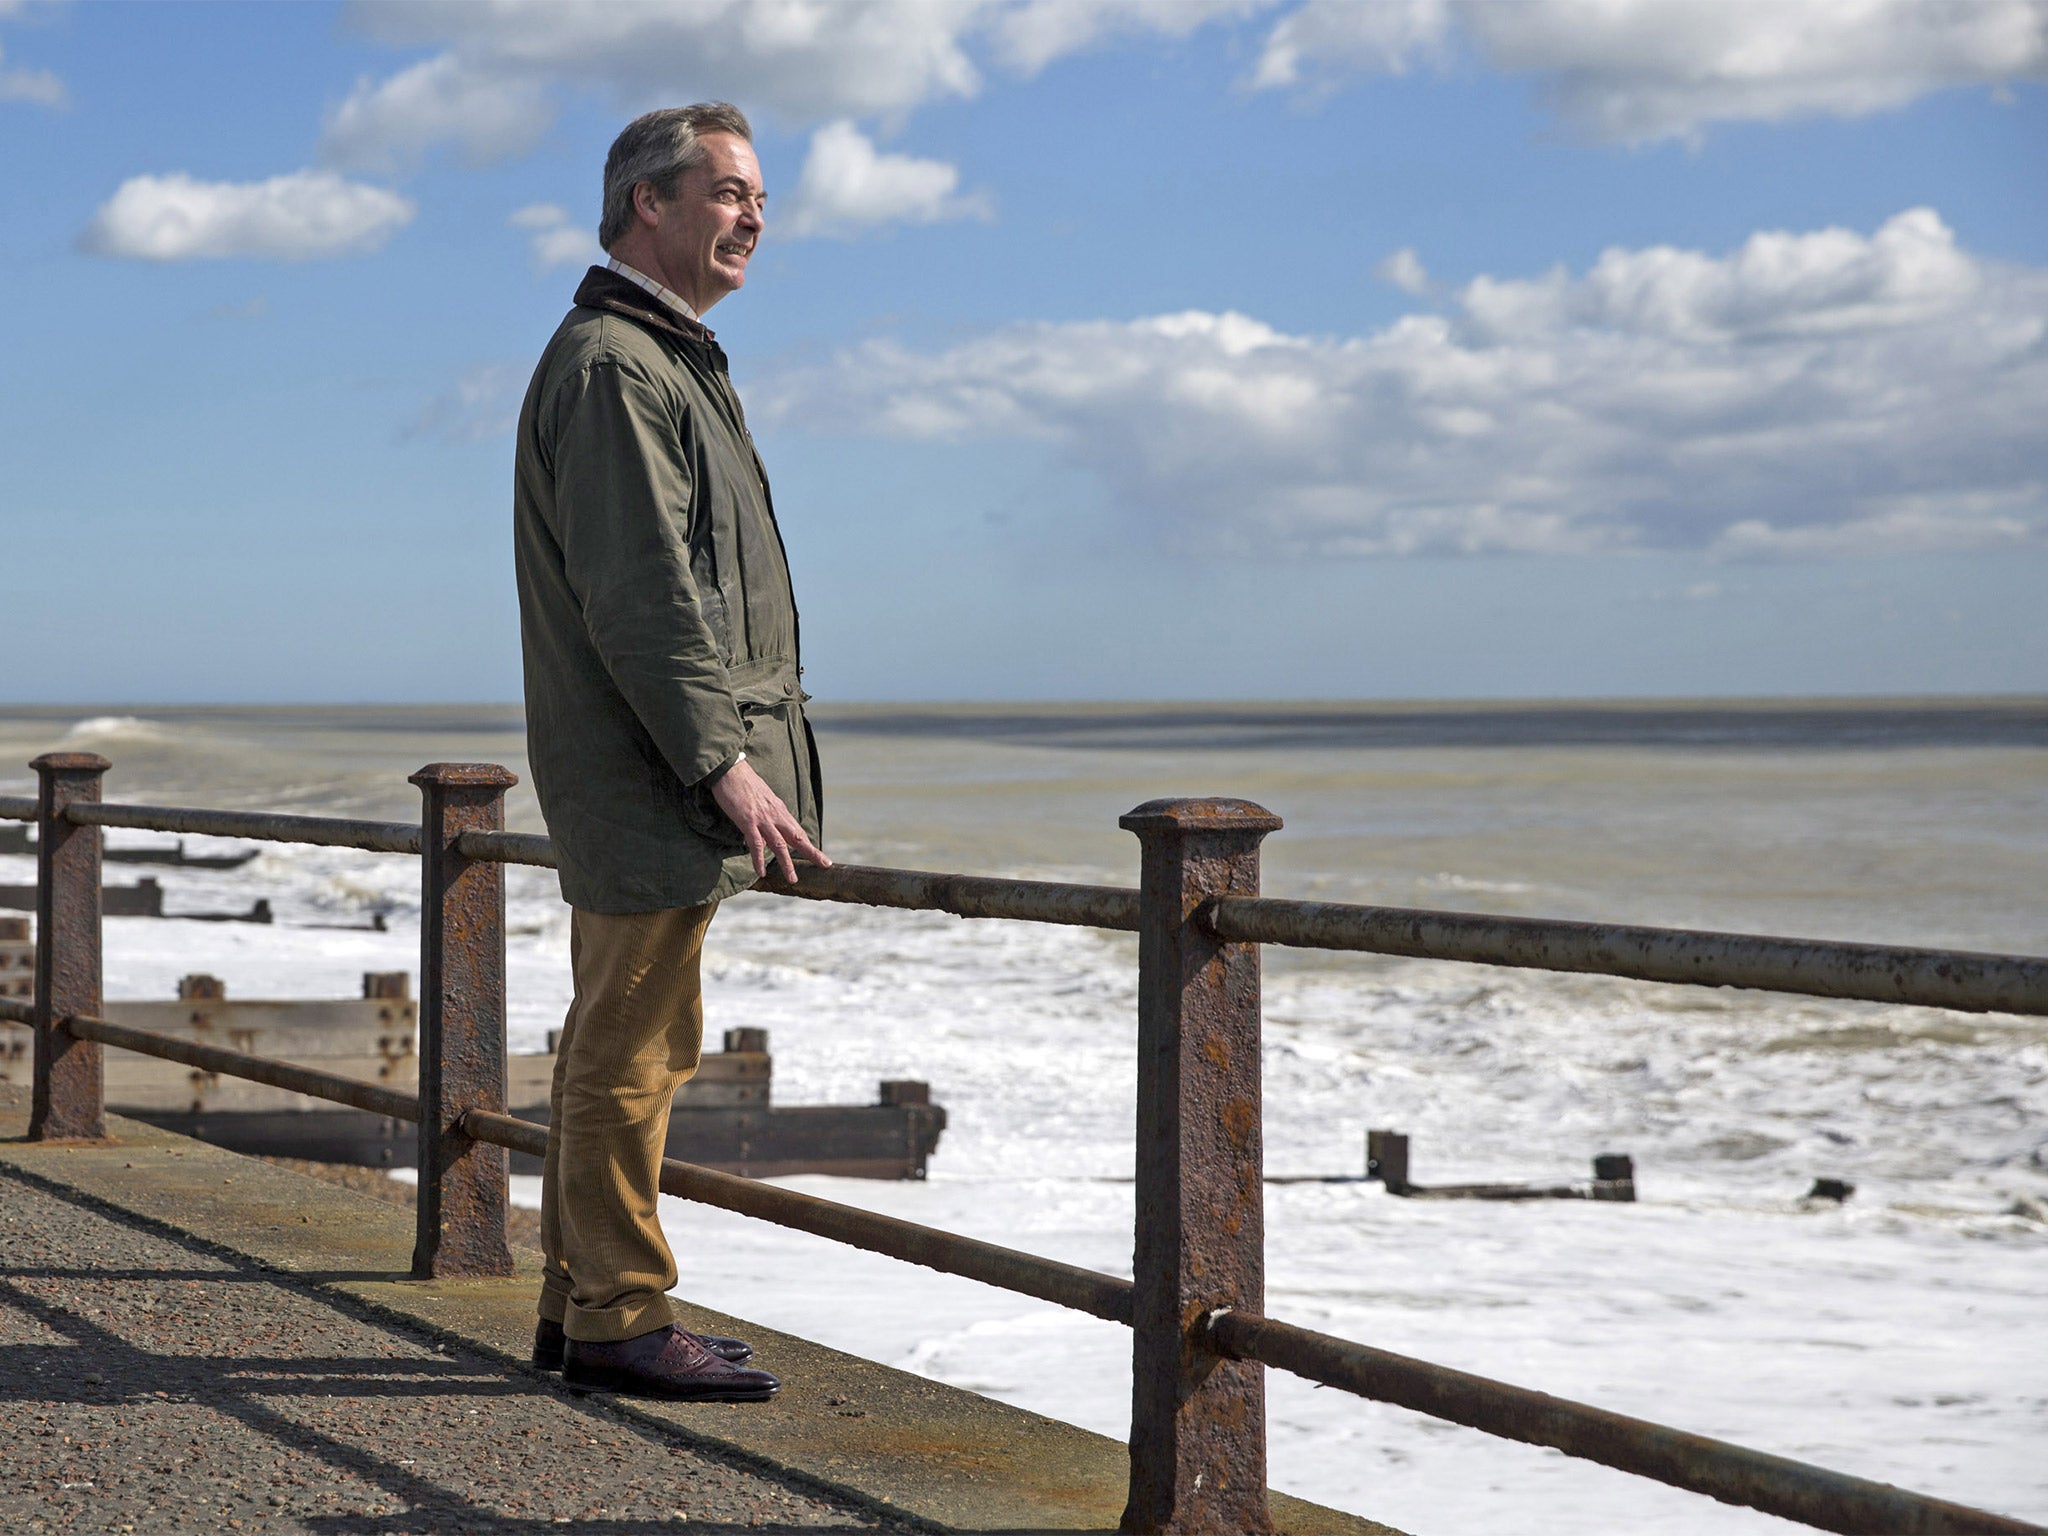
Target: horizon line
1327	701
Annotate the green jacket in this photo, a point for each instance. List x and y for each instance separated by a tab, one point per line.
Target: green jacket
655	612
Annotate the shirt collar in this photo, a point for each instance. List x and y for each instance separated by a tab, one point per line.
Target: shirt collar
661	291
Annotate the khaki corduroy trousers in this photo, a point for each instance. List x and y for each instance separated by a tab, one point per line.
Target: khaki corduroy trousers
633	1036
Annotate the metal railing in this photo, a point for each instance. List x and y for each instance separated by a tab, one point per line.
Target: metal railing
1196	1301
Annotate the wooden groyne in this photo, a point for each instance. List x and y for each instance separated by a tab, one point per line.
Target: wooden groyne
724	1117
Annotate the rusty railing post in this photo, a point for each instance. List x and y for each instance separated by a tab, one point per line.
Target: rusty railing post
463	1183
68	1101
1198	1420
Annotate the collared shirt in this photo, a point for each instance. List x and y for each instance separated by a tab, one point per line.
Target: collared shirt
661	291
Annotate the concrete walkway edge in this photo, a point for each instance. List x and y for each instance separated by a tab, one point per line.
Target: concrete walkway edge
855	1430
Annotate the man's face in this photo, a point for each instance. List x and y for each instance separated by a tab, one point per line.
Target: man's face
707	232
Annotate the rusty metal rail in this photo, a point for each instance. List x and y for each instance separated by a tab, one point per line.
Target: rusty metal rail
260	826
1031	901
1933	978
1967	982
17	808
1734	1474
507	848
1027	1274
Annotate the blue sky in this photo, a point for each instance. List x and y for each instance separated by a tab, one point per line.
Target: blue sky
1097	349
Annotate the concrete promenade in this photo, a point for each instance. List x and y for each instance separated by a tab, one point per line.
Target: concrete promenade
195	1340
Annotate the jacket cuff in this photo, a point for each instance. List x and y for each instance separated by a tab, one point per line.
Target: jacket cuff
722	770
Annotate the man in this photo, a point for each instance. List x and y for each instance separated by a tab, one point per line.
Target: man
665	724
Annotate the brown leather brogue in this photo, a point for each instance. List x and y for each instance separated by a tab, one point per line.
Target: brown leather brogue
670	1362
549	1341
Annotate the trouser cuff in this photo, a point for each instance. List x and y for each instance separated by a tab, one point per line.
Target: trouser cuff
616	1323
554	1304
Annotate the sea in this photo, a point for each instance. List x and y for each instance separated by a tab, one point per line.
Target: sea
1898	1335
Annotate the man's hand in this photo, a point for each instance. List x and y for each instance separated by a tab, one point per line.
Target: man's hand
772	833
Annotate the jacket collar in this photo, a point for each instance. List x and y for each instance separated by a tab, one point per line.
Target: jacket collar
603	288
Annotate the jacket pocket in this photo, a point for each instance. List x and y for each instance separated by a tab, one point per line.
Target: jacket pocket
706	821
761	685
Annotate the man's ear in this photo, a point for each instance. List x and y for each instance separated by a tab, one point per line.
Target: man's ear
646	203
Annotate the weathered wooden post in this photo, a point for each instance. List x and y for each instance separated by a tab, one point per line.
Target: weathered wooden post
68	1100
1386	1159
1614	1177
1198	1421
463	1183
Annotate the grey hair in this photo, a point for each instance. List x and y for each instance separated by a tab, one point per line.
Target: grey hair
658	147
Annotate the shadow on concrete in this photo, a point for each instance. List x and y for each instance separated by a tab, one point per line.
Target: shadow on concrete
100	1369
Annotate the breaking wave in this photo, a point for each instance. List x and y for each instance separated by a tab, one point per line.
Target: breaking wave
124	727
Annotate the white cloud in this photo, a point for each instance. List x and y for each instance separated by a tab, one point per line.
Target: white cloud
1906	524
539	216
1404	269
848	185
1833	282
483	404
388	126
1805	394
1031	35
306	214
1325	40
802	60
566	248
38	87
556	241
1634	71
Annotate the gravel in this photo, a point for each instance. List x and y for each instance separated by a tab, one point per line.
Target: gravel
522	1226
152	1386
